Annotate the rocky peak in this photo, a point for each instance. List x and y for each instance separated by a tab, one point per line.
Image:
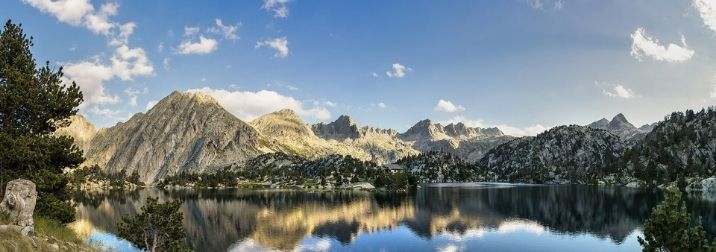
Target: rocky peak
185	132
80	130
340	129
285	123
461	131
424	130
601	124
620	123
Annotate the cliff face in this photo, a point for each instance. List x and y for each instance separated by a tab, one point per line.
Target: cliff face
82	131
185	132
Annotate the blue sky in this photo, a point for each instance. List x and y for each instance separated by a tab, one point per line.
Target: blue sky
522	65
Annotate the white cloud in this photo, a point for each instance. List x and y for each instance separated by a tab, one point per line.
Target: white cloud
90	75
707	11
98	22
150	105
227	31
558	4
468	122
191	30
398	71
68	11
448	106
160	47
203	46
132	94
278	44
248	105
278	7
537	4
104	112
619	91
540	4
375	75
166	62
506	129
382	105
519	132
644	45
125	31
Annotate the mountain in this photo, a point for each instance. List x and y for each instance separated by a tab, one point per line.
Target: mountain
646	128
465	142
424	130
184	132
381	145
82	131
438	167
345	128
681	146
619	125
286	132
571	154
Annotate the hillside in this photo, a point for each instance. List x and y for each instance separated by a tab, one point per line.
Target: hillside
184	132
682	145
564	154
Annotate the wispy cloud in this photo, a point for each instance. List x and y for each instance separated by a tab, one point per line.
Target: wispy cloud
280	45
398	71
707	12
278	7
203	46
248	105
448	106
644	45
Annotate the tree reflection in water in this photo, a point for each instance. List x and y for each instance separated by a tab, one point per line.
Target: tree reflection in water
217	219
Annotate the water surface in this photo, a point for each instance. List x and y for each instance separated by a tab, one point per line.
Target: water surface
467	217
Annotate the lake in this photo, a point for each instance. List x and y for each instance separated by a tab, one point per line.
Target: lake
464	217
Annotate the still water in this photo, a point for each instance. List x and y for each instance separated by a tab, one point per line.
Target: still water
469	217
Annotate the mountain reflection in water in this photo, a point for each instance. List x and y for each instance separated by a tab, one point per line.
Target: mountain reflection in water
221	220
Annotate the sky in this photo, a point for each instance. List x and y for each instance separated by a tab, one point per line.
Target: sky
521	65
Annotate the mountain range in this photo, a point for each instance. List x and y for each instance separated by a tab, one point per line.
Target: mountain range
189	132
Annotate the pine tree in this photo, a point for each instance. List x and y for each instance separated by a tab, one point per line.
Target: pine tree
158	228
669	228
34	102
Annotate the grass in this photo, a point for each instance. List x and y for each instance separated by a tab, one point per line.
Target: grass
50	235
54	229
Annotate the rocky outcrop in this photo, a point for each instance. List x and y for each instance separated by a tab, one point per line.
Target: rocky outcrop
345	128
184	132
80	130
19	204
619	125
564	154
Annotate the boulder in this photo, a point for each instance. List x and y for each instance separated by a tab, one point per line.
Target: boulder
19	204
709	184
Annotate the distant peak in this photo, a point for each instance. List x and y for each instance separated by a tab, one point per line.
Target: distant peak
620	117
285	112
193	94
344	119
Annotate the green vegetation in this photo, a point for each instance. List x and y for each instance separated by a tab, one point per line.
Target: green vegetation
34	102
93	173
669	228
678	147
47	232
157	228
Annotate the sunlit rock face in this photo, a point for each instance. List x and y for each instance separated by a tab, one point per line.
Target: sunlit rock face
219	220
80	130
184	132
